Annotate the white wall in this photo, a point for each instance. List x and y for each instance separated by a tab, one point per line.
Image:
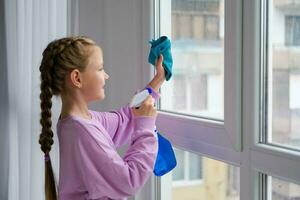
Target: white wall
118	27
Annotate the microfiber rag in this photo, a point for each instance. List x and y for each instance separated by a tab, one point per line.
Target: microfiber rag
162	46
165	160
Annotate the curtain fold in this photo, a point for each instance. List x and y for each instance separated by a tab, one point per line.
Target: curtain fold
29	25
3	109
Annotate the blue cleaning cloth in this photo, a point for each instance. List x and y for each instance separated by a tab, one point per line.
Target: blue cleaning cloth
162	46
165	160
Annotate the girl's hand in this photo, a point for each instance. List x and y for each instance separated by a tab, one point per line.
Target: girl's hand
159	78
147	108
160	71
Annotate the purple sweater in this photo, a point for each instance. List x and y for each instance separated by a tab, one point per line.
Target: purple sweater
90	166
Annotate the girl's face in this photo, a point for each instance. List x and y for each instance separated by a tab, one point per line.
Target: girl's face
94	77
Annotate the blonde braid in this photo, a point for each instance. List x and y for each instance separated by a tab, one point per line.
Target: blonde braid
59	58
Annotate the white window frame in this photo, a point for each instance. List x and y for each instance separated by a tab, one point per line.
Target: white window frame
223	135
271	160
220	139
223	141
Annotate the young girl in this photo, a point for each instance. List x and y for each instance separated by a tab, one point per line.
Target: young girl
90	167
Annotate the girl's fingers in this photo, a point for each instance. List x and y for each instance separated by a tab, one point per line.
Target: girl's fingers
160	60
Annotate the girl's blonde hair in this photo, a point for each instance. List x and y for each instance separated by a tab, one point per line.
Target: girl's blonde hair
60	57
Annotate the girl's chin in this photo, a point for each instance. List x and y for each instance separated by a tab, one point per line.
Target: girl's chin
100	97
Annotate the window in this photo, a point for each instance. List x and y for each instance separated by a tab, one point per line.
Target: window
190	94
198	177
292	30
196	37
280	117
198	108
179	92
283	190
248	76
188	170
199	92
283	67
195	27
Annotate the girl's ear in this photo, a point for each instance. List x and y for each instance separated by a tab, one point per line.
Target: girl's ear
75	77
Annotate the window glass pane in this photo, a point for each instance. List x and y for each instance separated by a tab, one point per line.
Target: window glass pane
282	190
283	102
195	167
204	178
179	97
179	170
197	85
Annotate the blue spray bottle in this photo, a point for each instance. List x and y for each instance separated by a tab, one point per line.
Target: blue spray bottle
165	160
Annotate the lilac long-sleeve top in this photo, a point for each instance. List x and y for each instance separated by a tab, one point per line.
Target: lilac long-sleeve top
90	166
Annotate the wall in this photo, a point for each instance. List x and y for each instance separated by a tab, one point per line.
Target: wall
118	27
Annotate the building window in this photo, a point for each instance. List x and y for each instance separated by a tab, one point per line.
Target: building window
188	170
195	26
199	92
292	30
190	94
179	93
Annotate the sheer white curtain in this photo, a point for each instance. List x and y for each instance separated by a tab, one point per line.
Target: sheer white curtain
29	26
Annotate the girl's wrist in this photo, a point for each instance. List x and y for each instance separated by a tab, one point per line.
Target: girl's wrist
160	78
156	83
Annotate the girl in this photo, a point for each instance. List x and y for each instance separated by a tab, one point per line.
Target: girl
90	167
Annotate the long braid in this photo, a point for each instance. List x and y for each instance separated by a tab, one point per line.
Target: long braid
46	136
60	57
